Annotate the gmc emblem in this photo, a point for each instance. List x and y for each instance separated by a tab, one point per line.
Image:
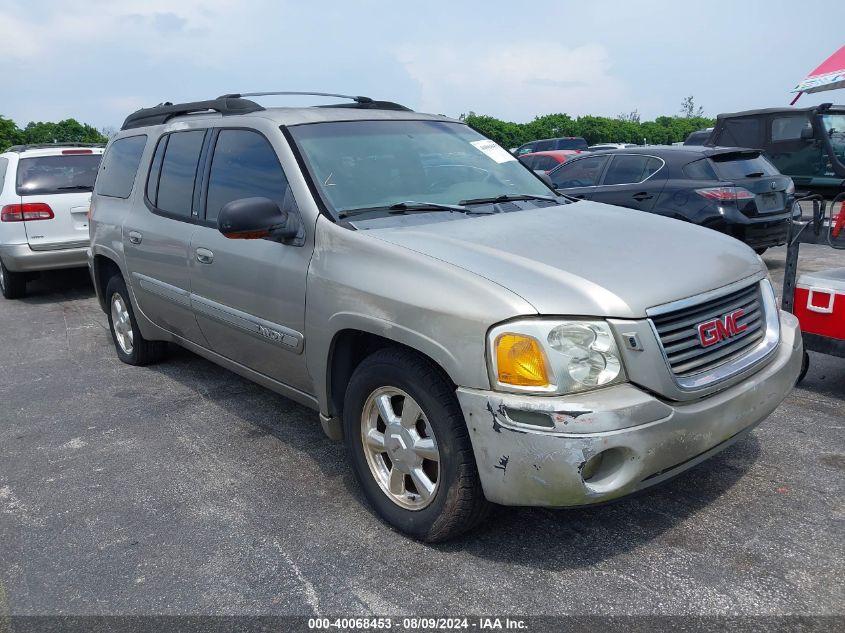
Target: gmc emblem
712	332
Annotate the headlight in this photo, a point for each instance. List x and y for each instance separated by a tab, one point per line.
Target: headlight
553	356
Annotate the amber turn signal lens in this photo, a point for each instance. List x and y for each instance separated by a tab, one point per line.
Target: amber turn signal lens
520	361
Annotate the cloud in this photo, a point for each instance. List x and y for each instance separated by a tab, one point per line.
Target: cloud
513	81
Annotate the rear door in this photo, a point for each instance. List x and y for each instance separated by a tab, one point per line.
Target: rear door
632	180
157	237
62	181
578	178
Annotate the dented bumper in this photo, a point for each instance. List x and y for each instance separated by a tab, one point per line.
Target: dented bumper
589	448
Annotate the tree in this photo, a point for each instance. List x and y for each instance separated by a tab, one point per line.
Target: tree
67	131
632	117
9	133
688	109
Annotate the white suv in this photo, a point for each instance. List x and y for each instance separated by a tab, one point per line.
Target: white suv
45	191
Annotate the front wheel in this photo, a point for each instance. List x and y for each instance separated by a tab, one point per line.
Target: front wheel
409	446
805	366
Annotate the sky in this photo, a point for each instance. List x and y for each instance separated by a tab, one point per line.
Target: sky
99	60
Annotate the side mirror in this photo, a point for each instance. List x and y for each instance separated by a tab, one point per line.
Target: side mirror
255	218
542	175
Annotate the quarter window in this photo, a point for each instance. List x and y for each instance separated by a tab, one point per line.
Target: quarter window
625	169
245	165
788	128
178	172
578	173
4	164
120	166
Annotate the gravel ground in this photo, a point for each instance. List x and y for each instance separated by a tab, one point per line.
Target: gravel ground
184	489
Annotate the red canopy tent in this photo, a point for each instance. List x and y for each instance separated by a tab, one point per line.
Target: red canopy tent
830	75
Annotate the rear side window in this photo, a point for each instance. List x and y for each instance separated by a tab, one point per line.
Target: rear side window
733	168
572	143
544	146
742	133
178	171
244	166
4	165
789	128
700	169
119	167
579	173
42	175
631	169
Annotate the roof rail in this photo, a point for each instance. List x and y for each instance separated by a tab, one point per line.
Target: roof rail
226	105
28	146
358	101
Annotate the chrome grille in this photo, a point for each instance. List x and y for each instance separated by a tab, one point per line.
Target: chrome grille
679	336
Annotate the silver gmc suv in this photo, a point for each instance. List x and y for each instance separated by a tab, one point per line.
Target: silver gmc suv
473	337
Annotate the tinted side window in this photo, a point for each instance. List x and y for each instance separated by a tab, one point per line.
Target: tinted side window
788	128
119	167
178	172
244	166
742	133
700	169
626	170
544	146
579	173
4	164
528	161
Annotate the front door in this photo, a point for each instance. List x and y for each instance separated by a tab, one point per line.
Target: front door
578	178
249	295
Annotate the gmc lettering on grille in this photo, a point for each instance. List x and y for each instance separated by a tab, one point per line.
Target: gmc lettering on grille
716	330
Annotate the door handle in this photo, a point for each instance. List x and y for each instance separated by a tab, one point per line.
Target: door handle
204	256
639	197
135	237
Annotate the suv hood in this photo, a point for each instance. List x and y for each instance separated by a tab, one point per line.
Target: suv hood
585	258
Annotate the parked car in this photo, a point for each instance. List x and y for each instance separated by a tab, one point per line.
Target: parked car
546	161
699	137
806	144
44	194
735	191
603	146
415	302
548	144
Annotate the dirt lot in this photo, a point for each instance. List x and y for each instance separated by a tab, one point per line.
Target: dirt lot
182	488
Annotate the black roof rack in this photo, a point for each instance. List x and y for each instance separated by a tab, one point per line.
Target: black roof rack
226	105
235	103
357	101
23	148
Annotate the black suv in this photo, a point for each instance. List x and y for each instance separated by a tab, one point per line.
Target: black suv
807	144
548	144
733	190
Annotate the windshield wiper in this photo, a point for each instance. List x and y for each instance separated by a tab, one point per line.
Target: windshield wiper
508	197
405	207
76	188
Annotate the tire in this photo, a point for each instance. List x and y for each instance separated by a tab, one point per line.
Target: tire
805	366
12	284
457	502
131	347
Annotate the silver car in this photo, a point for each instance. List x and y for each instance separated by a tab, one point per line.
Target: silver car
473	337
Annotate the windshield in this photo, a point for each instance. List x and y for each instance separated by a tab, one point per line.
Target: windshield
57	174
377	164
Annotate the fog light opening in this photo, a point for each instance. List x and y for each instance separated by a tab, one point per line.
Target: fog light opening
602	470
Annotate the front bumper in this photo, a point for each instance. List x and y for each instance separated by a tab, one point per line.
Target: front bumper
21	258
643	440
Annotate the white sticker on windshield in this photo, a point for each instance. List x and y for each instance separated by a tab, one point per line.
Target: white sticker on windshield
497	153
